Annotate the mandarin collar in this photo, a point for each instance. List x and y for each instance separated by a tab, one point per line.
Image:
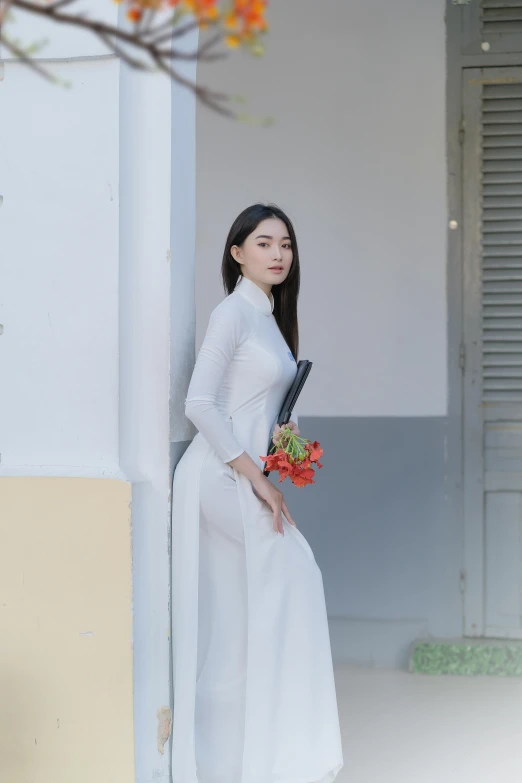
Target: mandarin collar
255	295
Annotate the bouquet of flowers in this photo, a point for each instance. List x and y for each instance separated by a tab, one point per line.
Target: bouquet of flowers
293	457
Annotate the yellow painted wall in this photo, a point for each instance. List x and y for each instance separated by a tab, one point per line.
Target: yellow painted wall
66	702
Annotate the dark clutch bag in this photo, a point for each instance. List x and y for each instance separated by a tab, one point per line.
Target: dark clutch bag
303	368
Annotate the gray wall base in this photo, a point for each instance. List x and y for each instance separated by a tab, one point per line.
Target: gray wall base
374	643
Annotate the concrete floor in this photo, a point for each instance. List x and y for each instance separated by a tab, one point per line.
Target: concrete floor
399	727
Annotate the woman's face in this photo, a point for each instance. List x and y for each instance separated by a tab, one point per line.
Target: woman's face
267	246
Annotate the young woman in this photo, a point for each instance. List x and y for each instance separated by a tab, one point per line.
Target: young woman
254	692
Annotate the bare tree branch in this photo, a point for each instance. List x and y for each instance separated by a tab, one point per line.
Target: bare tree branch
4	10
25	59
206	96
132	61
60	3
149	39
176	32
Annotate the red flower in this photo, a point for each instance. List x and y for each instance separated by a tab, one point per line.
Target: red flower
294	458
134	14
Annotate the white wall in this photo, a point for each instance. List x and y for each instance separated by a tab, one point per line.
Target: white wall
94	184
357	158
59	304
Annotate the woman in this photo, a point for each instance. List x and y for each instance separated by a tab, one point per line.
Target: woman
254	693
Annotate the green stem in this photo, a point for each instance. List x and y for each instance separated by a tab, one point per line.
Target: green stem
293	442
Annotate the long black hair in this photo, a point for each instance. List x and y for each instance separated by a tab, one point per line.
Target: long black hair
285	294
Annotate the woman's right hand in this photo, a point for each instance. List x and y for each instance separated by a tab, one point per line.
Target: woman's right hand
266	491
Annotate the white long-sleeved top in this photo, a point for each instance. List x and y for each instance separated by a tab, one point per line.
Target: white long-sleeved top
242	373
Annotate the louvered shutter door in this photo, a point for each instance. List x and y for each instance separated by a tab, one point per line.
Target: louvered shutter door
502	242
500	18
492	236
497	23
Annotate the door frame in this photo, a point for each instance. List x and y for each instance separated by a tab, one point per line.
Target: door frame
472	410
460	59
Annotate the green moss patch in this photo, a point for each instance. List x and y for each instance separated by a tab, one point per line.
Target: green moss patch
501	658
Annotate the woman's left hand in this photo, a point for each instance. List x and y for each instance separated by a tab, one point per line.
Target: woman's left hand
277	429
